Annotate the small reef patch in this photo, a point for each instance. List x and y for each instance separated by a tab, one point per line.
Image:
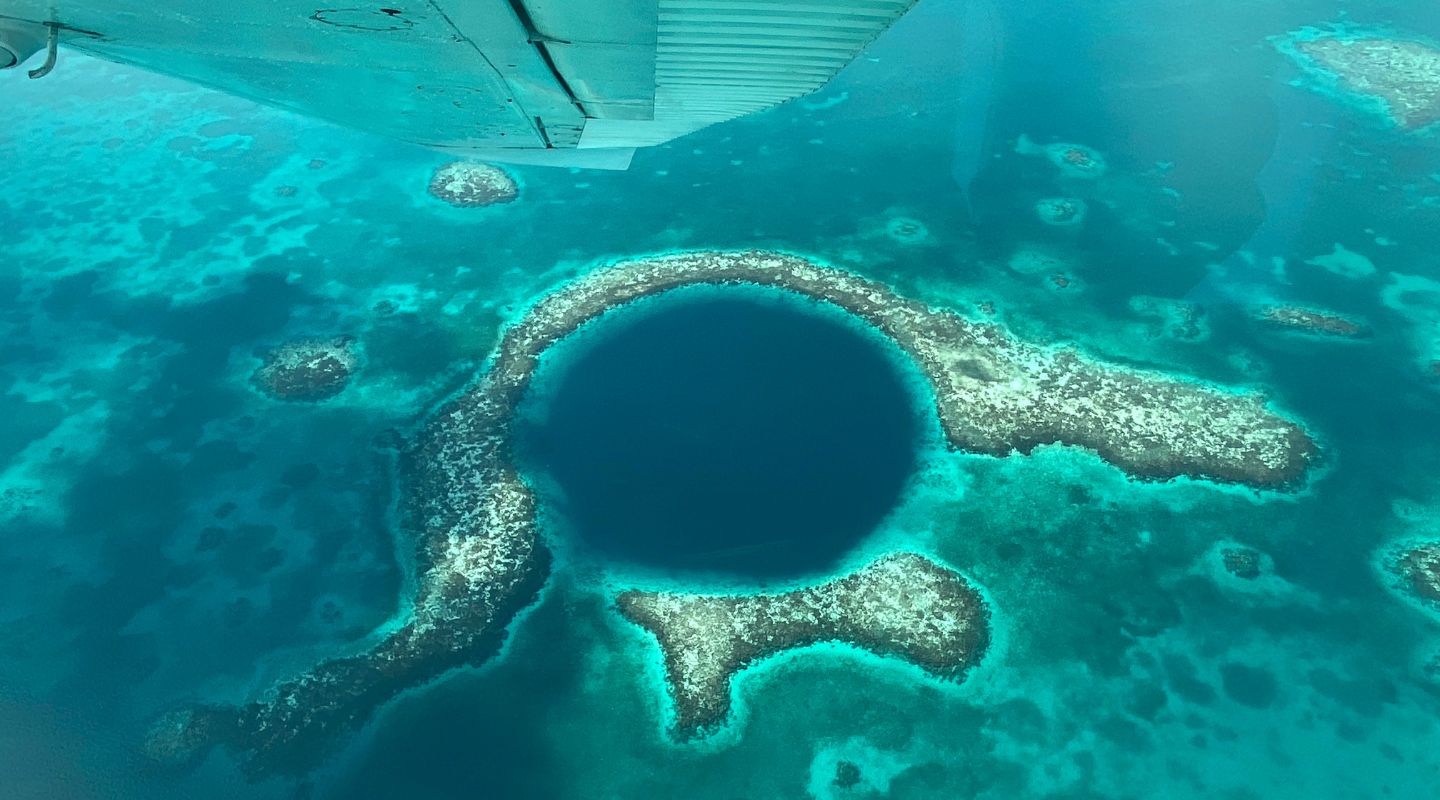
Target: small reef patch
901	605
1415	567
1072	160
1173	318
466	184
1061	212
1300	319
1243	562
307	370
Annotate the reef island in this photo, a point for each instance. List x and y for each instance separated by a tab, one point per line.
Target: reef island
901	605
481	558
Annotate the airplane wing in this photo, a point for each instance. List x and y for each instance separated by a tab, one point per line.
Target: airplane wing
574	82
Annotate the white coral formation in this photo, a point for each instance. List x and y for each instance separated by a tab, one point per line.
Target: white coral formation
1403	74
467	184
901	605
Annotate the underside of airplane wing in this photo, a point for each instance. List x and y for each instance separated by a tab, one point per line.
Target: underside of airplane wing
575	82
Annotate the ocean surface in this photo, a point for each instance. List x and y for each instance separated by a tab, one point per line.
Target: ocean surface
168	534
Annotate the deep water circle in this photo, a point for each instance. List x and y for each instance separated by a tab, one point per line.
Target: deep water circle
738	431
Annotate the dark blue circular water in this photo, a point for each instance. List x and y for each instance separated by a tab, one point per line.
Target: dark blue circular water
741	434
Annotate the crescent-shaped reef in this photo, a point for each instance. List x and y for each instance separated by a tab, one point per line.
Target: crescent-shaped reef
480	557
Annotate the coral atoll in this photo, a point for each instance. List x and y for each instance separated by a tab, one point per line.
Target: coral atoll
307	369
467	184
900	605
479	556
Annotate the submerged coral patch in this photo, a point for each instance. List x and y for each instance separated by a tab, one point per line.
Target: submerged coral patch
1063	212
307	370
1036	261
1344	263
1073	160
466	184
1173	318
1417	567
901	605
906	230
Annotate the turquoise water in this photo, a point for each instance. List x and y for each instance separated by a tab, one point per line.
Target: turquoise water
169	534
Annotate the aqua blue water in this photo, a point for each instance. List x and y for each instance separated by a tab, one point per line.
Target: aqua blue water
168	534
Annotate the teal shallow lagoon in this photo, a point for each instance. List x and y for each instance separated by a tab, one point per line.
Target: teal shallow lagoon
149	256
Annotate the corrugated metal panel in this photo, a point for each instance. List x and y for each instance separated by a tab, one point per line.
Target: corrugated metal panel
487	74
716	60
606	51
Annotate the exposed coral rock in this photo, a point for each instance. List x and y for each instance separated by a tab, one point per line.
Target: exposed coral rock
1418	568
307	369
1308	320
1242	562
1403	74
901	605
479	558
467	185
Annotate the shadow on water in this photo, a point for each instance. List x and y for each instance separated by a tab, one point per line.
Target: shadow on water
475	735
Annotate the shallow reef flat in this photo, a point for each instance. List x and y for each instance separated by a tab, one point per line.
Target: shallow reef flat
1400	76
901	605
481	559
